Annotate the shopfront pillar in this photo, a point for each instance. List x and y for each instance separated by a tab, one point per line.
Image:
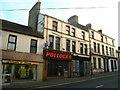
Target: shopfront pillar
69	69
45	68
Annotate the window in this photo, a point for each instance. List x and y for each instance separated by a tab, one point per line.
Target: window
81	48
85	49
101	38
83	35
94	62
110	50
94	47
92	34
73	32
103	49
57	43
73	46
68	30
106	39
67	45
55	24
106	50
98	47
51	41
33	47
113	42
115	64
12	42
99	63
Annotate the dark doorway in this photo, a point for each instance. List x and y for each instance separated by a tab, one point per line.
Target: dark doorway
57	67
112	66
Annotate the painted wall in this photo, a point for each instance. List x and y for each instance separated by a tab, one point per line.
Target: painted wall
23	42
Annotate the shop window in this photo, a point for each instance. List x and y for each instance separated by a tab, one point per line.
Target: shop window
67	45
57	43
33	47
99	63
94	63
51	41
25	72
55	25
12	42
115	64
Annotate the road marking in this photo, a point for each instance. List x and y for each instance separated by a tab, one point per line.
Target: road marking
75	82
99	86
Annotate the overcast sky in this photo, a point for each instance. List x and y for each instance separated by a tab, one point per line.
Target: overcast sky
102	14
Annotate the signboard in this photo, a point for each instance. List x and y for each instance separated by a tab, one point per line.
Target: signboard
56	55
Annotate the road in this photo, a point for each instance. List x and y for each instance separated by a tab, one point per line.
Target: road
104	82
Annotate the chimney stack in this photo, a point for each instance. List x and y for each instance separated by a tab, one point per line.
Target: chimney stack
100	30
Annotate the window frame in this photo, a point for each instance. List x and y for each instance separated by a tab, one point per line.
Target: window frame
10	42
83	35
51	44
67	45
73	32
32	46
67	30
55	25
57	43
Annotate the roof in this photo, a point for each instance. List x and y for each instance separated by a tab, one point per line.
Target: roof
18	28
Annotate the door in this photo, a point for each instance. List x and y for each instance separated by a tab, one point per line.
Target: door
7	69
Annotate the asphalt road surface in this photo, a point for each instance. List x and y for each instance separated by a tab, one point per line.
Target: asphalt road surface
104	82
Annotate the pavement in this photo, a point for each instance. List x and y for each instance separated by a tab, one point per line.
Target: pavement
54	82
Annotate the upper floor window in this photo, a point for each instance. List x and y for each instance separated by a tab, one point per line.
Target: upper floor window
98	47
83	35
106	50
85	49
81	48
68	30
51	41
12	42
113	42
103	49
55	25
92	34
73	31
110	50
94	47
106	39
67	45
57	43
33	46
73	46
101	38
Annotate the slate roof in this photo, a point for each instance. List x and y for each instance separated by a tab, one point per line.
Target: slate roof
18	28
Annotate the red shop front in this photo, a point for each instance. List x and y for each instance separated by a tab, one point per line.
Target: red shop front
56	63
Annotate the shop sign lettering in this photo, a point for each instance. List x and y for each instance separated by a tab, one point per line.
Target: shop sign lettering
55	55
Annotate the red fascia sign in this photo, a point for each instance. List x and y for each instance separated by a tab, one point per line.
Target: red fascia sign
55	55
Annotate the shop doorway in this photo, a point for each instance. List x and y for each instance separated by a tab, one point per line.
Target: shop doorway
7	73
57	68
